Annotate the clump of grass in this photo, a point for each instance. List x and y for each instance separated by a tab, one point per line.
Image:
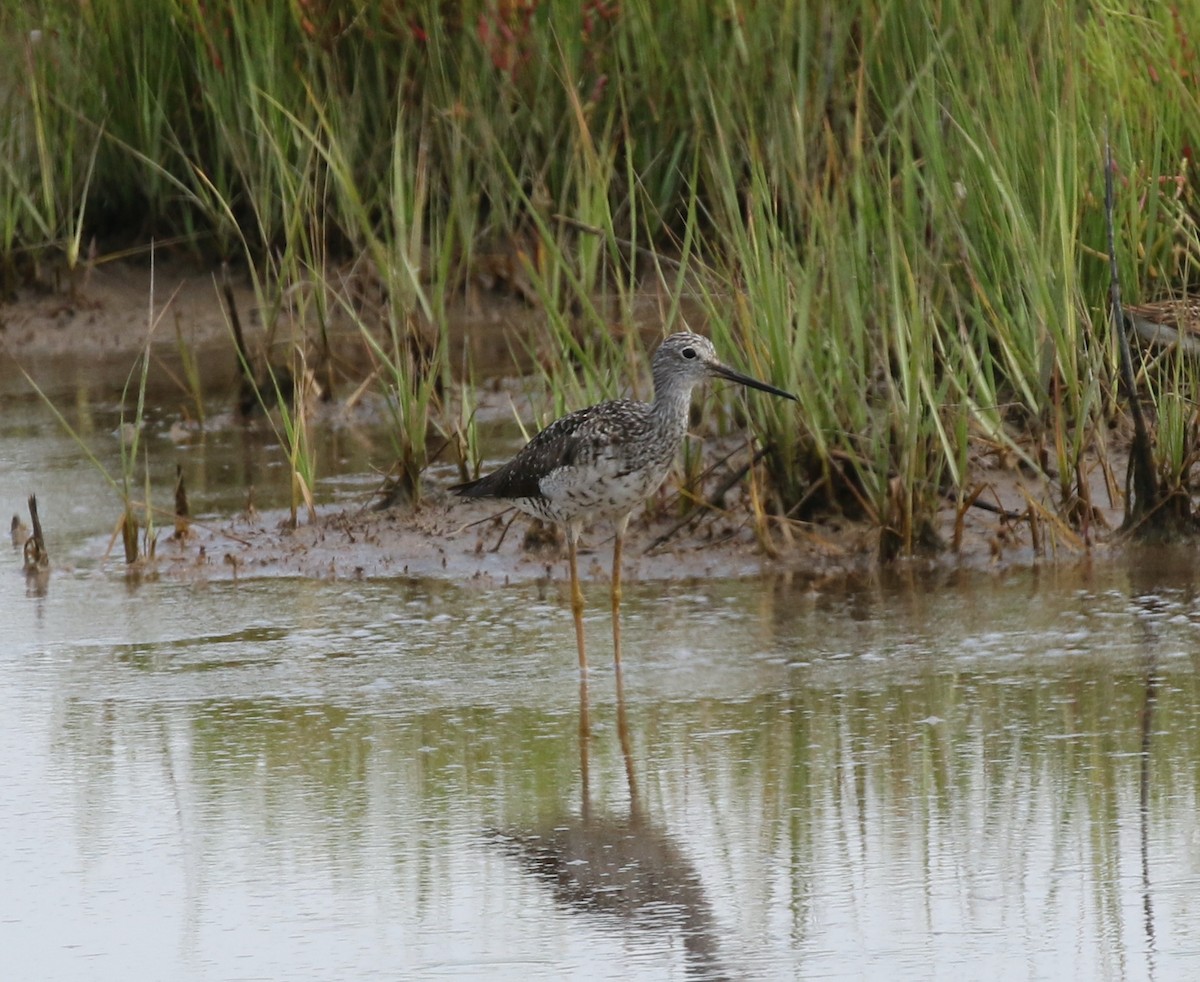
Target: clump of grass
48	157
137	513
896	214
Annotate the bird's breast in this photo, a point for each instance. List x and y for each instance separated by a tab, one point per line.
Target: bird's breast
611	483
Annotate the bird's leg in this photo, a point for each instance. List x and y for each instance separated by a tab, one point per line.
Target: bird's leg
576	594
618	544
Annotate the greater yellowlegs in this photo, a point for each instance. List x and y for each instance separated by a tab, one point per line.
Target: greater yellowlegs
602	461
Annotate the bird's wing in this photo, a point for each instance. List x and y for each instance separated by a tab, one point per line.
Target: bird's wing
576	438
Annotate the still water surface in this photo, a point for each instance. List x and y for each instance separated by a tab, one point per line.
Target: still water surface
289	779
962	776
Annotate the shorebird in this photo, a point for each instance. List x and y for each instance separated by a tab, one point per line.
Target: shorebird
1168	323
603	461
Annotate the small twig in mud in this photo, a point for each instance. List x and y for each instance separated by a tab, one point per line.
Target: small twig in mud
482	521
248	390
491	518
711	503
277	385
395	489
182	511
1047	518
193	525
35	554
960	512
356	396
504	531
19	532
128	527
974	501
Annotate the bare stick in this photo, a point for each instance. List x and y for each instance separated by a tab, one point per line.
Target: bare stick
36	557
182	511
1141	459
248	395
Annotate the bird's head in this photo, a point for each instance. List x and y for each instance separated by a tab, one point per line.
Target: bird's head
688	359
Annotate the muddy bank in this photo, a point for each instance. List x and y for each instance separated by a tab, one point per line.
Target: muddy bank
442	538
486	544
105	313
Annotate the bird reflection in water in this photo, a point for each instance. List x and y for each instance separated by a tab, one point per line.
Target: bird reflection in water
623	868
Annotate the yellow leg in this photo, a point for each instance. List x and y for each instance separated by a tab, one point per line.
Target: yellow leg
618	545
576	596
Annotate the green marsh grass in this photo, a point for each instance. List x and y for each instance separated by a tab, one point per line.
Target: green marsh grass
892	209
137	513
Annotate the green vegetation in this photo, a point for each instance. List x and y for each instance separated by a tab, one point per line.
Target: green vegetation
893	209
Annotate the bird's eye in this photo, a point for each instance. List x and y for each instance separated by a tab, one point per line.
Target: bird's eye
688	352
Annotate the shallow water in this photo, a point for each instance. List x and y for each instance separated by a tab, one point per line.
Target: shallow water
967	776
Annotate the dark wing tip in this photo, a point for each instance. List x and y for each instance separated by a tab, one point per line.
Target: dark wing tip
507	482
556	446
467	489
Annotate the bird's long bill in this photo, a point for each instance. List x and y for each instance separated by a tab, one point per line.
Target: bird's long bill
724	372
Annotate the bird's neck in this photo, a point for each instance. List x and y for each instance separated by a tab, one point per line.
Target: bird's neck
672	406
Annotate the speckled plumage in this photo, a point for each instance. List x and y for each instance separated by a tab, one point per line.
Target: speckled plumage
603	461
1168	323
593	463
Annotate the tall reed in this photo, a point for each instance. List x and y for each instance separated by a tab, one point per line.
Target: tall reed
890	208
